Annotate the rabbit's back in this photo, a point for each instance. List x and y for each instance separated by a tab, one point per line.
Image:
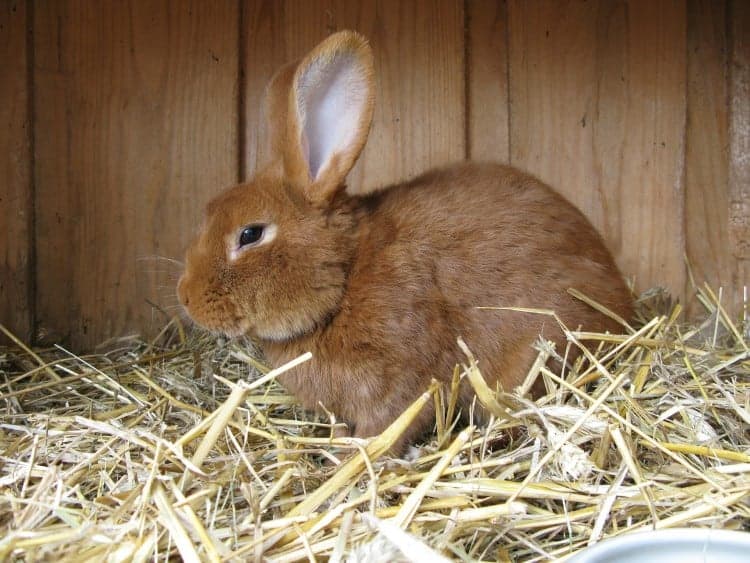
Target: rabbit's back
490	235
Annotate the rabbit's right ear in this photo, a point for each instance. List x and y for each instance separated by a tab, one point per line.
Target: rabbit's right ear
328	114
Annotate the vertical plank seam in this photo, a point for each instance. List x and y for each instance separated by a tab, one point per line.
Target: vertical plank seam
689	277
686	271
467	106
241	91
31	242
728	35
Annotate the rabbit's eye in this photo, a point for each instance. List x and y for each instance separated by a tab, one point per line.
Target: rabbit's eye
250	237
251	234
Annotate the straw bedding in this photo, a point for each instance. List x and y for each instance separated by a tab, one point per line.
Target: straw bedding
185	448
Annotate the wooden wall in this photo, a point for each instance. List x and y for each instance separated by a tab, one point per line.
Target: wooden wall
121	118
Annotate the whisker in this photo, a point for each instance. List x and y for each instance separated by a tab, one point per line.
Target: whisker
169	288
156	257
162	274
168	301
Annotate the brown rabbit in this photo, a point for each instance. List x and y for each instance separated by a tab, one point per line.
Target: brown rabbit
379	287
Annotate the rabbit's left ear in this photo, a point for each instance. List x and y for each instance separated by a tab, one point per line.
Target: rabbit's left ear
330	110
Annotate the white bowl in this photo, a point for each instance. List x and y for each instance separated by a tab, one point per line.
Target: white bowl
678	545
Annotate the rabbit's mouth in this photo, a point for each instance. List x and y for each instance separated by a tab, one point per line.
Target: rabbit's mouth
224	325
212	310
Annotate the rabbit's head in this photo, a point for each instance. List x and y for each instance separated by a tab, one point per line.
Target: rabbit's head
272	256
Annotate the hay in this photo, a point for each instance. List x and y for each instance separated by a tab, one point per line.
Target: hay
181	448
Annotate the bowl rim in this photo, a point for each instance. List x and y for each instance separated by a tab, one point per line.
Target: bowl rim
606	548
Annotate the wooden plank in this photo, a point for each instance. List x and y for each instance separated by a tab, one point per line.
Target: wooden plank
707	160
136	122
717	173
16	207
488	119
598	107
739	149
419	114
739	129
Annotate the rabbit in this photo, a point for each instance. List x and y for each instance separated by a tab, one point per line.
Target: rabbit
380	286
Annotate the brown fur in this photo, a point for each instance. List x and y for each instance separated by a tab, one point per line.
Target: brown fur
379	287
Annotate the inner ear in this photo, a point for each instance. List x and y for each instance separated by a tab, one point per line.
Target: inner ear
330	110
333	96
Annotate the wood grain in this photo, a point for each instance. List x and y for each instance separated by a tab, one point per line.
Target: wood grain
718	212
707	159
739	129
739	152
488	115
136	124
16	204
598	104
418	46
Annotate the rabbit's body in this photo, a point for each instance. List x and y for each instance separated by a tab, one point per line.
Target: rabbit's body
379	287
428	254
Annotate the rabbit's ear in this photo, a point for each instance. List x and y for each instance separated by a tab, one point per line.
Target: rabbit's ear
329	114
